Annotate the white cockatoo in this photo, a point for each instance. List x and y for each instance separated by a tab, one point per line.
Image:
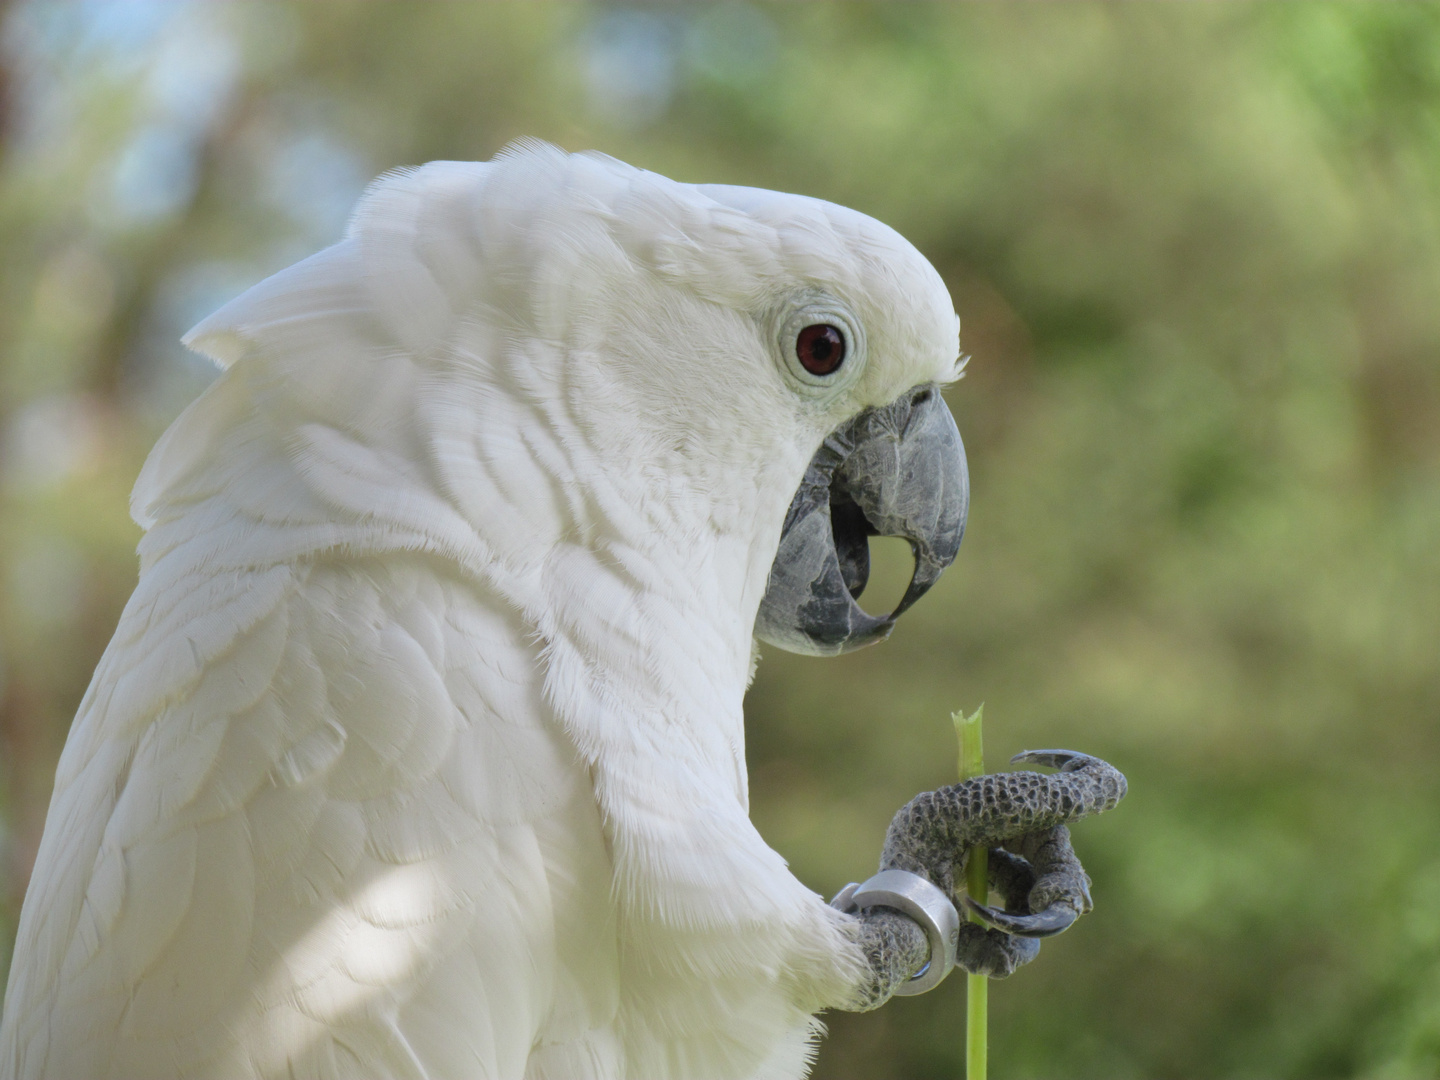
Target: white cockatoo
418	751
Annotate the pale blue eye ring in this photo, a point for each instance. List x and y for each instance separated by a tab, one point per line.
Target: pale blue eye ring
821	345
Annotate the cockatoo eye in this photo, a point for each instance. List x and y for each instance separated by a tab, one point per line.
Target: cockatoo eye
820	348
820	345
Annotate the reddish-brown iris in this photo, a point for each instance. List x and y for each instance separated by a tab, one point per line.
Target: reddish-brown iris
820	348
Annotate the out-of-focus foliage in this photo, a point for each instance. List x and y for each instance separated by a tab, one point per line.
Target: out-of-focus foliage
1196	251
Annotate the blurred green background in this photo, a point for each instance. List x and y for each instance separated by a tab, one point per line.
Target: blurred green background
1196	252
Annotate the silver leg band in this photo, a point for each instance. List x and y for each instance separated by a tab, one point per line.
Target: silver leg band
914	896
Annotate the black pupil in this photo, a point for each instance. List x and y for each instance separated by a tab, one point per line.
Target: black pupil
820	348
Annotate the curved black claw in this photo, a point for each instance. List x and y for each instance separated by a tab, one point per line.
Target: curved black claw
1064	760
1051	921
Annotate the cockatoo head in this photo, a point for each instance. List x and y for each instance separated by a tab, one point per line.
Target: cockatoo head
737	324
863	332
589	349
798	321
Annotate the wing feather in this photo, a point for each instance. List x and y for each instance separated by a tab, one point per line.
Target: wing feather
307	815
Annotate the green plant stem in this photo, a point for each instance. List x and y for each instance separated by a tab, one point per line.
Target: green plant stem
977	987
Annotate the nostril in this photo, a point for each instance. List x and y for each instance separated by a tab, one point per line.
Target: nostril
921	397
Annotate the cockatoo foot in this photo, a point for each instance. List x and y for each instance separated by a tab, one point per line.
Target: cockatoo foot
1020	818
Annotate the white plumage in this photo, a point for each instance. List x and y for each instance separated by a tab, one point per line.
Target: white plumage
418	751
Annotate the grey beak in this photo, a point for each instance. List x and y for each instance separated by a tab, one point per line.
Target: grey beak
894	470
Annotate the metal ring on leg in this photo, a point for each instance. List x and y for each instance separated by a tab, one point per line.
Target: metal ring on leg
919	899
